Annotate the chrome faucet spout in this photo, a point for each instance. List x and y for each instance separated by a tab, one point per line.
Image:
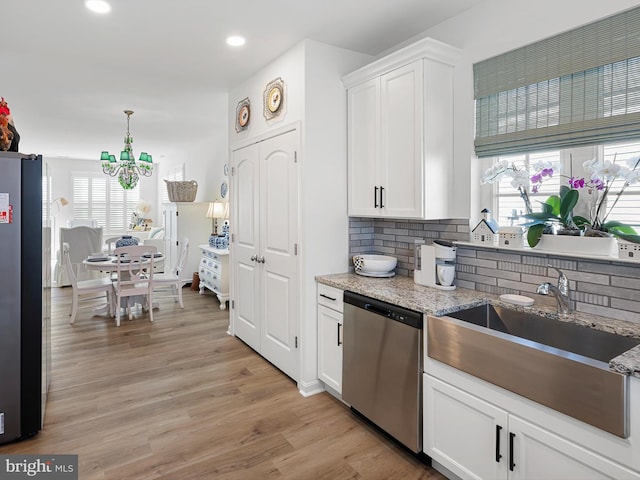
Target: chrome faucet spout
561	292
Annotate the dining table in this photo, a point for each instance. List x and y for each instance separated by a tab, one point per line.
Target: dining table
107	264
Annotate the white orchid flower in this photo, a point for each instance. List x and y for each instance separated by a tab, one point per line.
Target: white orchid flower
605	171
633	162
631	176
589	164
520	178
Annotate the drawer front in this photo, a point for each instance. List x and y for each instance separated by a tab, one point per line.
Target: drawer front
211	255
330	297
211	264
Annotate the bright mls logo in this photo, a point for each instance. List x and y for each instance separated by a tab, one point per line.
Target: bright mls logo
52	467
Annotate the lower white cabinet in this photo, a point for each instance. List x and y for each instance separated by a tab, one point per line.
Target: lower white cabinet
330	337
475	439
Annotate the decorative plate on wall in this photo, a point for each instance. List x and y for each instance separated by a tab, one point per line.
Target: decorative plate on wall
273	98
243	114
224	188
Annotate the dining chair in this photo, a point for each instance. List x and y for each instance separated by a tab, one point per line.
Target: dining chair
96	287
134	269
83	241
169	284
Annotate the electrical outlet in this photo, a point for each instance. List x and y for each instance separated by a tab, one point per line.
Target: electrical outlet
1	423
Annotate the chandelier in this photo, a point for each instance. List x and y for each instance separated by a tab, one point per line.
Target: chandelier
127	169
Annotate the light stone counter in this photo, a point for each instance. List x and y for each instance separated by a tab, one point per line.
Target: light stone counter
402	291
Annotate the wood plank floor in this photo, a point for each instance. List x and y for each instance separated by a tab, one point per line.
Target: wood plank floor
180	399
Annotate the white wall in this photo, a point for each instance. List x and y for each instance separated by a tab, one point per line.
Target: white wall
491	28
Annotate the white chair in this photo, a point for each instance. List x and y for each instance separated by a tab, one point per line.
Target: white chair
82	222
135	278
96	288
83	241
169	285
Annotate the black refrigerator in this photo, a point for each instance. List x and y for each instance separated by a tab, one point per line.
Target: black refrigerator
24	297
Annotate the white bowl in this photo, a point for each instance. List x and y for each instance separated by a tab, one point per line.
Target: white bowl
374	263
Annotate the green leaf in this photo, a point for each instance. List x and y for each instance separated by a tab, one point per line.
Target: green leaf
534	234
618	228
564	190
552	205
629	238
568	202
581	221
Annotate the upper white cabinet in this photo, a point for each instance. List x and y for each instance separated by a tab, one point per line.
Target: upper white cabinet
400	133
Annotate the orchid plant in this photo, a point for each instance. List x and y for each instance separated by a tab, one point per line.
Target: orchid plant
602	176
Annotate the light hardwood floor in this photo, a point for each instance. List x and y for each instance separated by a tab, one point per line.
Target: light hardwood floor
180	399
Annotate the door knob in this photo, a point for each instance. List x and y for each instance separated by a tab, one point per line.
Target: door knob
254	258
260	259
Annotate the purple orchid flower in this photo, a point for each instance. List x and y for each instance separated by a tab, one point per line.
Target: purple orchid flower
576	182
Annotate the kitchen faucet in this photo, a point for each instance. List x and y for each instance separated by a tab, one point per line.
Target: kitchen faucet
561	292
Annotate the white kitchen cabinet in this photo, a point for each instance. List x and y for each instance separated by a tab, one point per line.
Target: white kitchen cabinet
265	248
400	133
214	272
330	324
184	220
475	439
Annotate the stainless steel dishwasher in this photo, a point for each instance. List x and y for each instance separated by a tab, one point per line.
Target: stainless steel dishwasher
382	366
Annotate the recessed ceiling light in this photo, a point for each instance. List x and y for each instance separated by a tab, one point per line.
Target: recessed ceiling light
236	41
97	6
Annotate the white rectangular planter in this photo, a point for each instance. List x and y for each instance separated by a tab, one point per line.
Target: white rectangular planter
600	246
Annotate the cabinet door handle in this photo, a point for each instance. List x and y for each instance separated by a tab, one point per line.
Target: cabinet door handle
339	341
498	456
254	258
375	197
511	462
381	190
260	260
328	297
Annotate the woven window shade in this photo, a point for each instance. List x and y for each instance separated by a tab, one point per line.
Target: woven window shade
581	87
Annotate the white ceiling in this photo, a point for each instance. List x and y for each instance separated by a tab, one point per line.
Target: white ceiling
69	73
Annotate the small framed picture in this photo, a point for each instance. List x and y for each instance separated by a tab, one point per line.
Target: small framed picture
273	98
243	114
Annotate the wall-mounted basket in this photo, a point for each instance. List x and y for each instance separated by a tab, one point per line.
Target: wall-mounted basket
182	191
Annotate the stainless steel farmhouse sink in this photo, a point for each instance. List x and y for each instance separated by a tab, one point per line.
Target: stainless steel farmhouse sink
558	364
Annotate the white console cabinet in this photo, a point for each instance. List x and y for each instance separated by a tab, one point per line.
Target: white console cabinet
330	336
214	272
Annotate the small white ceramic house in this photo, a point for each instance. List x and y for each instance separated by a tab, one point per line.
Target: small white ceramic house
486	232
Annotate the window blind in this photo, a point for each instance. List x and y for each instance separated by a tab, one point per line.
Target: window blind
581	87
98	197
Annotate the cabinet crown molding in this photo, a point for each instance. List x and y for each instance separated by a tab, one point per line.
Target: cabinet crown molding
427	48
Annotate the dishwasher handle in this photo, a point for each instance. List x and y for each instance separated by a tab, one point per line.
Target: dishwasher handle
384	309
379	311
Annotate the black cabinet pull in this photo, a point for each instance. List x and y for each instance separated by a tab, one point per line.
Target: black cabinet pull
381	190
498	456
375	197
339	341
511	462
328	297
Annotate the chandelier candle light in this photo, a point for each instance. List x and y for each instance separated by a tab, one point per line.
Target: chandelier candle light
127	170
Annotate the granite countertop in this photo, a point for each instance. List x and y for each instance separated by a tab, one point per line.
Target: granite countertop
402	291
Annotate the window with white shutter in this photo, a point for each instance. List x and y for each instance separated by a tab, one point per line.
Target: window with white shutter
101	198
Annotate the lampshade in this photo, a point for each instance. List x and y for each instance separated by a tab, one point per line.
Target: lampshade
218	210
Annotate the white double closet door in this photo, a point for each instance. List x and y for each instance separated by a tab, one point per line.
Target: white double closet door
265	265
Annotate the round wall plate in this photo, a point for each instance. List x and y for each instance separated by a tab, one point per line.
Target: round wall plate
224	188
